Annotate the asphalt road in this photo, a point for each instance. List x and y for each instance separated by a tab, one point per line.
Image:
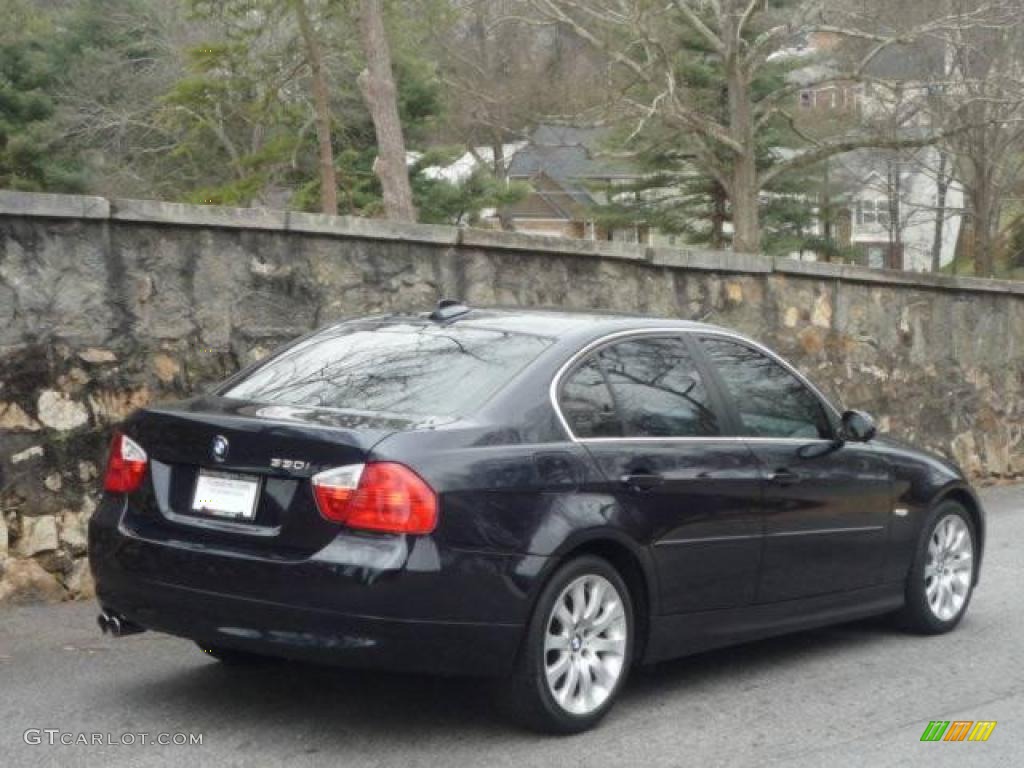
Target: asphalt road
859	694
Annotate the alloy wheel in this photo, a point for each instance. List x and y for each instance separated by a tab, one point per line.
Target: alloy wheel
949	568
585	644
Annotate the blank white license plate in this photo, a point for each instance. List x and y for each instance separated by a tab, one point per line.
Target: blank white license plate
226	495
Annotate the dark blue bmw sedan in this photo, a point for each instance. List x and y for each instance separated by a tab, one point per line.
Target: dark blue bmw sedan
548	498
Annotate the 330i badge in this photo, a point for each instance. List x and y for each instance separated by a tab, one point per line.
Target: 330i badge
548	498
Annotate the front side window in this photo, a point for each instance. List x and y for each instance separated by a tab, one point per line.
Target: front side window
771	401
395	368
658	390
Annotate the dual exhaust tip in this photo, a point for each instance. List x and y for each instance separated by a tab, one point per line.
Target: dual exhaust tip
117	626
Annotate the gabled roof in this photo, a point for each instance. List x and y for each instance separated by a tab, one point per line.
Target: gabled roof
920	60
869	168
568	153
915	61
551	198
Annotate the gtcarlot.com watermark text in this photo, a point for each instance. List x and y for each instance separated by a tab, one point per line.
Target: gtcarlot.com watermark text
55	736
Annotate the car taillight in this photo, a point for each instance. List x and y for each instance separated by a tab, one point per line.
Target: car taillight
379	496
126	465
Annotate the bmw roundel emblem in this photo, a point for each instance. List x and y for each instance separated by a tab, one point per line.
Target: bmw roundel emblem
219	448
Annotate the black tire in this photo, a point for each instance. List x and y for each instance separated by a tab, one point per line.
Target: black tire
526	696
232	657
917	615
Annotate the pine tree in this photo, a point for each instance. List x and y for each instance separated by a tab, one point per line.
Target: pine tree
30	66
677	196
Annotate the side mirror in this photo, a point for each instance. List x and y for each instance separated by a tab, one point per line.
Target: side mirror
858	427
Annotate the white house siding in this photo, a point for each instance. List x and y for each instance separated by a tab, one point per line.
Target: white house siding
918	213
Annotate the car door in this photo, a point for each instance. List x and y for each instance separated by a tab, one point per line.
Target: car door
826	503
644	411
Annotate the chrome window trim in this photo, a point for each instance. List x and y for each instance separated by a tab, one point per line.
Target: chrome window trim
556	383
705	439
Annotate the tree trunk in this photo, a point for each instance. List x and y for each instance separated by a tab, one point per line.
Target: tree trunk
745	192
322	108
825	212
378	86
501	174
719	215
894	192
941	190
984	259
746	221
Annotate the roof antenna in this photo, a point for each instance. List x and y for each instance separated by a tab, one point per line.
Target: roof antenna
448	309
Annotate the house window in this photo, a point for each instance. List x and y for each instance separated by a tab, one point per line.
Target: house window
625	235
872	211
876	257
806	99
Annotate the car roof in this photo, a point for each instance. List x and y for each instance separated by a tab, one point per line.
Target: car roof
556	324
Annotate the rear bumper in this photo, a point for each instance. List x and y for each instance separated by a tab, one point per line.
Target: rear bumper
434	647
373	602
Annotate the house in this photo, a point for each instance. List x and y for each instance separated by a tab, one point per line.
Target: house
464	166
894	217
900	204
569	176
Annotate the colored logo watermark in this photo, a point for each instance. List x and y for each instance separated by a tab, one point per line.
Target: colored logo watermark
958	730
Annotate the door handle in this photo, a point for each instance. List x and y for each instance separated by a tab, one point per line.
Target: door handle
785	477
643	481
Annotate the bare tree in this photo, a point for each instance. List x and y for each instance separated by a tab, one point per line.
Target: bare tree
492	63
985	94
740	38
943	178
321	106
973	100
378	85
109	103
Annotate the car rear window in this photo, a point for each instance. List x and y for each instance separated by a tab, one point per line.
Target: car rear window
403	369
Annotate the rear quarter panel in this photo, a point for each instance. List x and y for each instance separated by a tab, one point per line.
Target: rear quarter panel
518	498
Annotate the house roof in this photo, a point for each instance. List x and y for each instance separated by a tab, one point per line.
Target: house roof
566	158
869	168
550	198
918	60
566	153
922	59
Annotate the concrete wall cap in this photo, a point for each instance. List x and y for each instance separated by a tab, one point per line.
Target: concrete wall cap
13	203
371	229
159	212
31	204
517	241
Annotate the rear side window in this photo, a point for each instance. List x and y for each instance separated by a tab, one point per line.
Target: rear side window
587	403
771	401
401	369
658	390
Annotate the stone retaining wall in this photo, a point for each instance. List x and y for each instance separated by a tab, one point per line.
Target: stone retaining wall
106	305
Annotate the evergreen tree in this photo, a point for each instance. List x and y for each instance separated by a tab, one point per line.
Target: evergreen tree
30	66
677	196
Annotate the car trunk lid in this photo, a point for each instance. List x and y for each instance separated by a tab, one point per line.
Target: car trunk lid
271	451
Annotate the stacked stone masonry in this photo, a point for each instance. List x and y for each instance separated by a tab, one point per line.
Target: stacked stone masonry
106	305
